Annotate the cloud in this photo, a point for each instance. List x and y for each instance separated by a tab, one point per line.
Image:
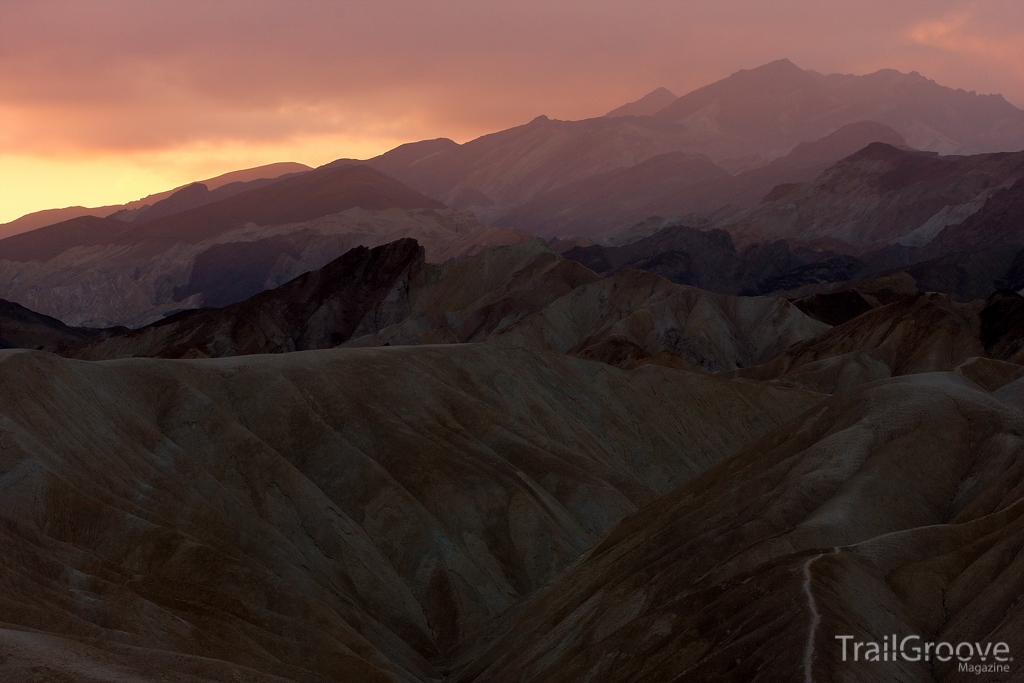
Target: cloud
960	34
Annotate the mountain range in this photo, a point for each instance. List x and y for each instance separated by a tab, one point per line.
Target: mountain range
740	123
843	168
107	271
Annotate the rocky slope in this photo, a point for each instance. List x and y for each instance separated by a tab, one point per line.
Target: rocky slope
356	294
504	511
526	295
676	183
336	515
892	508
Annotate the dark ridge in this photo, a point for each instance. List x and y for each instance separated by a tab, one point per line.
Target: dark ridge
234	271
708	259
1002	324
357	293
834	308
189	197
21	328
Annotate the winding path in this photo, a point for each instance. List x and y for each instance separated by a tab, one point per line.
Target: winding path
815	616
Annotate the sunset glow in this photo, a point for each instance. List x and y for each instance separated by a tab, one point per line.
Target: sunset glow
105	102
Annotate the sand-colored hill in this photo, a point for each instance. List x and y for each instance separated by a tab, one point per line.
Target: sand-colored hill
526	295
916	334
893	508
339	515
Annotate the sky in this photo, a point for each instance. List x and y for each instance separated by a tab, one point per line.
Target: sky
107	101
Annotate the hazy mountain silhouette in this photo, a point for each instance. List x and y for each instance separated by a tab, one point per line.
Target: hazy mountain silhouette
741	123
46	217
778	105
649	104
679	183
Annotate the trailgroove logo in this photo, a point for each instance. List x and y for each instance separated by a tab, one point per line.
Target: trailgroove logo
974	658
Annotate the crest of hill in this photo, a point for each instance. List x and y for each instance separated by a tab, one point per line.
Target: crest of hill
496	172
740	123
100	272
916	334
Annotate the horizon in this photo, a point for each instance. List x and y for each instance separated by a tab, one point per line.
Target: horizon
191	91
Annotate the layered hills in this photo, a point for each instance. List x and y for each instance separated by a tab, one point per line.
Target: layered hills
103	271
680	184
730	156
881	196
740	123
522	295
353	433
459	491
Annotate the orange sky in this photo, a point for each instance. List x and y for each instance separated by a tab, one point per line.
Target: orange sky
104	102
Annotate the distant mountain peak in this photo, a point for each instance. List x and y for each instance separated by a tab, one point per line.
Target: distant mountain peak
778	64
648	105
